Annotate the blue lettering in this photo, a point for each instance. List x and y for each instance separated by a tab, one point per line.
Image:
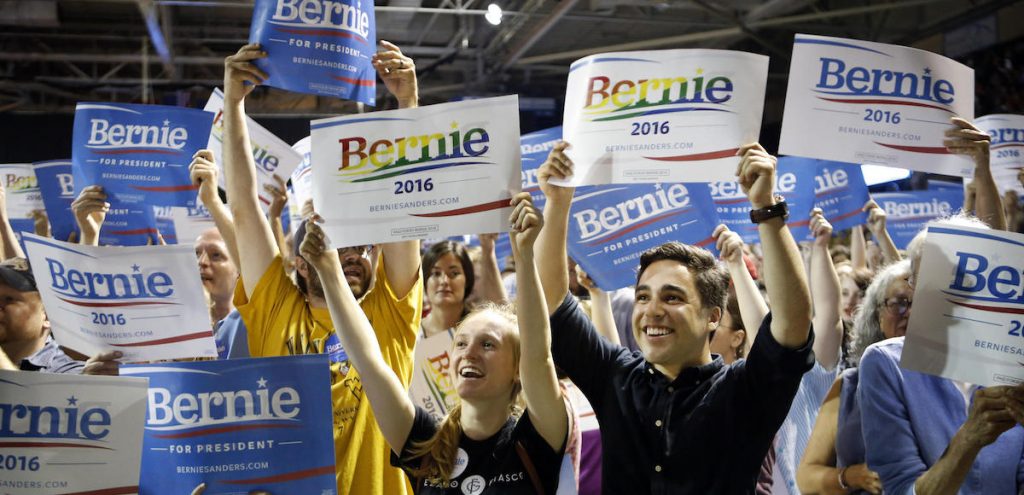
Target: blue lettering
835	78
828	72
91	285
996	278
962	271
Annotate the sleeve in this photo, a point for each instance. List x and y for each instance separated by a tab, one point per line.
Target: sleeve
888	438
274	292
423	428
772	371
581	352
547	461
395	320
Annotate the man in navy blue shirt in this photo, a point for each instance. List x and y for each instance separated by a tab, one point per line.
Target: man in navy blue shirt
674	418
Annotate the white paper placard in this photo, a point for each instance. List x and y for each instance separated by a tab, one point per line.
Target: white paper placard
862	102
189	223
144	301
1007	131
22	190
70	434
427	172
272	155
662	116
968	307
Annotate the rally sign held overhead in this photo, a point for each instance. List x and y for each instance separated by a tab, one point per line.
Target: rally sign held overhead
662	116
138	153
611	226
862	102
272	156
418	173
22	195
908	212
966	322
238	425
58	191
66	434
432	387
1007	148
321	47
733	207
146	302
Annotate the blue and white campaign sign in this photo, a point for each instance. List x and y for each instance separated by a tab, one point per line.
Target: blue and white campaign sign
662	116
839	190
146	301
190	222
908	212
862	102
165	224
138	153
419	173
321	47
302	177
733	207
1007	150
70	434
58	192
129	225
966	323
238	425
272	156
611	226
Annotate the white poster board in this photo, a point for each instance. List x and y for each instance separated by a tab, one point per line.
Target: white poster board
21	190
862	102
426	172
1007	149
145	301
662	116
70	434
967	313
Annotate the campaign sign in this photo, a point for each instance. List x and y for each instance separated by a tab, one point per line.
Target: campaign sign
662	116
165	224
432	387
966	323
189	223
1007	131
793	183
419	173
839	190
146	301
302	178
238	425
70	434
138	153
21	190
908	212
129	225
862	102
58	191
272	156
611	226
321	47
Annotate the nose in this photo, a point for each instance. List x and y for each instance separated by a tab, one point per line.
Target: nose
203	259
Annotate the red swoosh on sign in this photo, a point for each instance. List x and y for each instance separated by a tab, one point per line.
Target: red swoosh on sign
711	155
637	226
493	205
115	304
322	32
937	150
296	475
137	150
168	340
357	82
222	429
13	445
872	101
991	309
121	490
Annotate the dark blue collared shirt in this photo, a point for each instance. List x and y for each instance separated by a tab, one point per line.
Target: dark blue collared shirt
705	432
51	359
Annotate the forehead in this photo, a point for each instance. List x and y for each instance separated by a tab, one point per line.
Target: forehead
667	274
899	287
447	260
484	323
209	239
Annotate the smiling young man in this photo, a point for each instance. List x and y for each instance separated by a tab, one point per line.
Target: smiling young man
674	418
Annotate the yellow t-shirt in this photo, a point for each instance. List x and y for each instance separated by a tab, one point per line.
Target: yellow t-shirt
281	323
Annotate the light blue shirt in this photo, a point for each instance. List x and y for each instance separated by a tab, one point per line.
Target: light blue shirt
232	337
792	437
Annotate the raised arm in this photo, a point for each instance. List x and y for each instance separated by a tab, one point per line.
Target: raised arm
10	248
826	294
785	278
391	405
543	396
966	139
488	279
600	308
41	223
876	224
752	306
90	209
252	229
858	248
552	256
203	172
279	195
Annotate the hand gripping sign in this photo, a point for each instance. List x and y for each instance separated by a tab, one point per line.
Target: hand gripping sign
138	153
968	307
66	434
272	156
908	212
321	47
146	302
419	173
662	116
611	226
837	188
862	102
238	425
733	207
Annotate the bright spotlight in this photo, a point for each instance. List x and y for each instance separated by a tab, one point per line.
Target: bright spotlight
493	14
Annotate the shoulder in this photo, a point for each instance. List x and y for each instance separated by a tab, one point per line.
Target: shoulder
881	355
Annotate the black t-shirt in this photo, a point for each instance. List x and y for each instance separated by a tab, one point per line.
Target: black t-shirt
491	466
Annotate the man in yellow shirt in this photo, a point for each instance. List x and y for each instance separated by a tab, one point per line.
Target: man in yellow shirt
283	319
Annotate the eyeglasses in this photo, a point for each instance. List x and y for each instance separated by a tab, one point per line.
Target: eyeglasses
898	306
361	251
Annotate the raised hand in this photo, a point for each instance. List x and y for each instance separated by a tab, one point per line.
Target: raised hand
966	139
728	243
398	73
314	248
41	223
240	75
876	217
527	222
820	228
203	172
278	197
756	173
90	209
557	166
104	363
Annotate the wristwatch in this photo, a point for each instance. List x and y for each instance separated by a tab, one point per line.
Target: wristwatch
779	209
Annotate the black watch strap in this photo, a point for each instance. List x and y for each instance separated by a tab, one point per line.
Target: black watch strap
779	209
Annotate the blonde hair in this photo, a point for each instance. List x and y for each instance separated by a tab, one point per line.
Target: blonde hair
438	452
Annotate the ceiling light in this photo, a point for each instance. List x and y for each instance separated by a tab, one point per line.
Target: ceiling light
493	14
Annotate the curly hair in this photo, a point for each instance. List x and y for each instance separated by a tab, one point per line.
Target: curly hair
867	328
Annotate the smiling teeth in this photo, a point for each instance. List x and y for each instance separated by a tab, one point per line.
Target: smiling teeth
657	331
470	372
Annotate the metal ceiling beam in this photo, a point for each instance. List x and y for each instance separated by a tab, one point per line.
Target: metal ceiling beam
538	32
151	15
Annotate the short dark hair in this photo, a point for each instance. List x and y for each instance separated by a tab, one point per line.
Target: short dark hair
442	248
712	278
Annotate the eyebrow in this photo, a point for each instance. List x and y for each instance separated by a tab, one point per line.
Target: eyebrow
671	287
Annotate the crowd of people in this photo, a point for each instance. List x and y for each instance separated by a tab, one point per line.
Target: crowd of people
764	371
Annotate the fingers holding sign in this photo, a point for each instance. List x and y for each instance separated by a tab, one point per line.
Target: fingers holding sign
527	222
756	173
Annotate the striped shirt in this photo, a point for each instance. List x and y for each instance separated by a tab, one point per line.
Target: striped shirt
50	359
796	429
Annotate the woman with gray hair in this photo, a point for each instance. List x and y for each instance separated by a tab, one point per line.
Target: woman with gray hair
834	460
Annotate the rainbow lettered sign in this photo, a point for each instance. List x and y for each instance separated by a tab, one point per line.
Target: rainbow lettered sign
862	102
66	434
662	116
238	425
966	320
23	195
138	153
419	173
146	301
322	47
